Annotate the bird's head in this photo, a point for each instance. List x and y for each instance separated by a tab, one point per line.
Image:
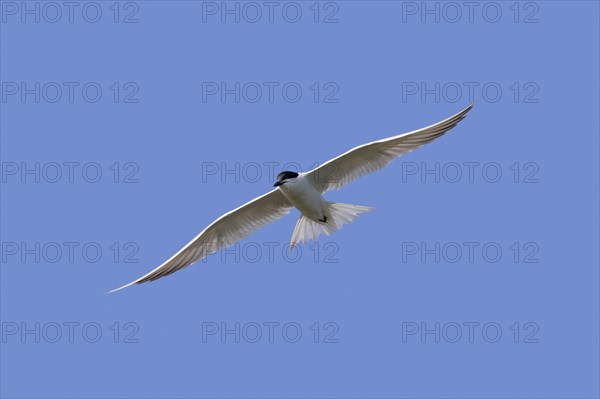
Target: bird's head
285	177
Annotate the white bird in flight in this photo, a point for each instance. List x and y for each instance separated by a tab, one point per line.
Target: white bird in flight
304	191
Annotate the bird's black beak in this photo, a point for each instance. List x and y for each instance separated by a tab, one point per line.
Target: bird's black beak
277	184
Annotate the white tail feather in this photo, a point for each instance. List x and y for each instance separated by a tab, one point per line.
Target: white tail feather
308	230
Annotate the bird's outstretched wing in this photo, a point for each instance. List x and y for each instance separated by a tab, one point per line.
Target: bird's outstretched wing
223	232
370	157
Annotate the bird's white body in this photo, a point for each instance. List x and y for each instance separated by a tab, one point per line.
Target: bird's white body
317	215
303	191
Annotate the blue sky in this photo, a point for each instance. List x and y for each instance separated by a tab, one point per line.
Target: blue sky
126	129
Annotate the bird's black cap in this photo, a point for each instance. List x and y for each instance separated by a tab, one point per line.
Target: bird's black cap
283	176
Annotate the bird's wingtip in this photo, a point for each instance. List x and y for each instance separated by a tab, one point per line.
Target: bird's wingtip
120	288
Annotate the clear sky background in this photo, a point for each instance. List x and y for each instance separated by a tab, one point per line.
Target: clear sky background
127	128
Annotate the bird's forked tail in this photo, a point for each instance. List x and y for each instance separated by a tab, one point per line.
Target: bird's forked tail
340	214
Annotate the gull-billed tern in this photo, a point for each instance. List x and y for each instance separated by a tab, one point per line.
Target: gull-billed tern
303	191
